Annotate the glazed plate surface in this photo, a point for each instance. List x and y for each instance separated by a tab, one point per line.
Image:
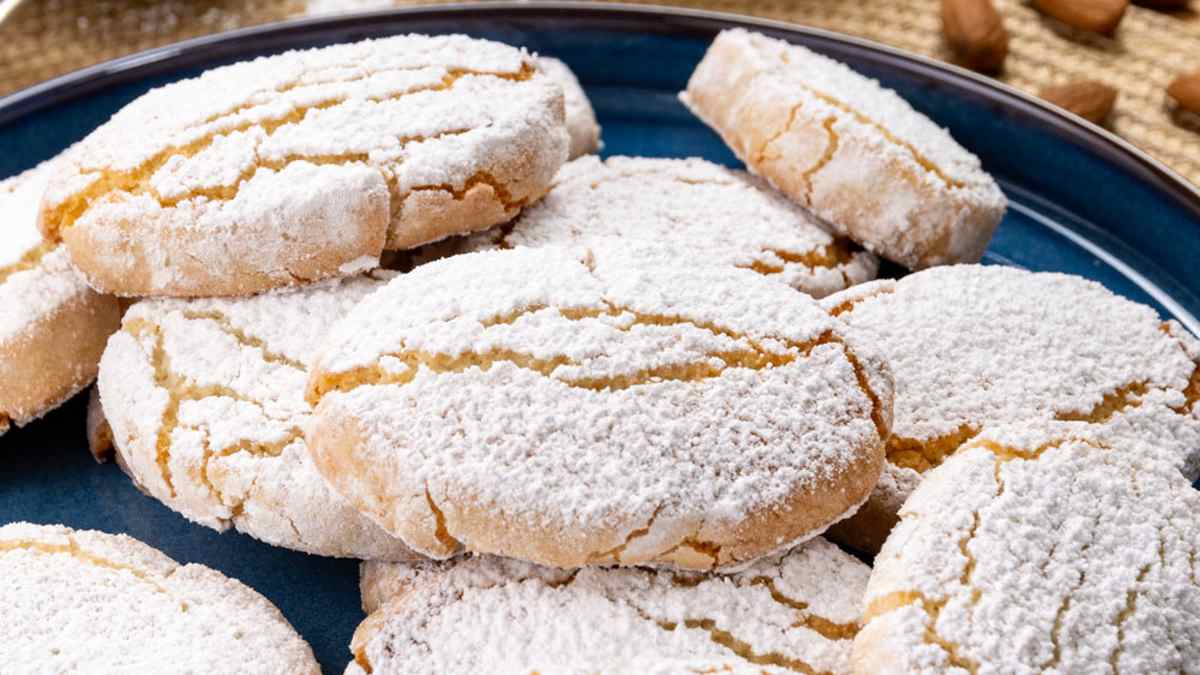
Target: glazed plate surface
1082	201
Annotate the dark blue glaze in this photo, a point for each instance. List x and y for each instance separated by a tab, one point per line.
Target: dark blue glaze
1083	203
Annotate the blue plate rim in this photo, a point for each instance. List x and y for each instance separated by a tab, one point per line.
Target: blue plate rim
662	18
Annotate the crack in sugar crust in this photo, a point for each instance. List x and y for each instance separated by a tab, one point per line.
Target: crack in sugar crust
461	117
794	612
974	346
205	400
608	359
1103	573
76	598
44	304
686	207
833	139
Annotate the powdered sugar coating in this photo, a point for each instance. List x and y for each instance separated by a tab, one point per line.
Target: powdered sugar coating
285	168
52	326
580	118
781	614
854	152
77	600
1040	548
584	406
974	346
205	399
689	208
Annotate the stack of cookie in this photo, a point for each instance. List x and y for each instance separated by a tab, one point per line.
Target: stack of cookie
592	416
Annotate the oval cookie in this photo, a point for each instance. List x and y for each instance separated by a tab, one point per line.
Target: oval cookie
79	600
1039	548
687	208
976	346
297	167
574	407
797	611
853	152
580	118
205	401
52	326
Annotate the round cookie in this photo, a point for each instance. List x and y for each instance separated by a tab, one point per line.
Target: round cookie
688	208
297	167
78	600
580	118
52	326
1039	548
854	153
974	346
205	400
796	611
582	406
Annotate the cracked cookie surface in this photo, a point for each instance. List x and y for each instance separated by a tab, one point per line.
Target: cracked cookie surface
52	326
1039	548
76	600
791	612
853	152
300	166
205	404
975	346
585	407
685	207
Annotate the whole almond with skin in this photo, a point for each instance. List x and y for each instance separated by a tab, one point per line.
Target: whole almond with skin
1097	16
1186	91
976	34
1089	99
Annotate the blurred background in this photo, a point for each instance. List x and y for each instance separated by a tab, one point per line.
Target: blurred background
1130	67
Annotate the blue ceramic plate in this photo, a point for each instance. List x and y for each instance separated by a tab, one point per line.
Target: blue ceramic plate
1082	201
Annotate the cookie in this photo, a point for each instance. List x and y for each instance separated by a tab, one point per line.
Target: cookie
99	434
580	118
796	611
52	326
584	407
853	152
974	346
78	600
687	208
1039	548
205	399
297	167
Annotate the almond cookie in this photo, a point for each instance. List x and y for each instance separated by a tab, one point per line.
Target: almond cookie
574	407
79	600
299	166
976	346
205	399
52	326
580	118
853	152
796	611
1040	548
687	208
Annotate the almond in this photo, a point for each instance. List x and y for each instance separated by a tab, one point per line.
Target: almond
1186	92
975	33
1091	100
1097	16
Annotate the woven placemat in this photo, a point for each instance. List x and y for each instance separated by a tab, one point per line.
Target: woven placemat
45	38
